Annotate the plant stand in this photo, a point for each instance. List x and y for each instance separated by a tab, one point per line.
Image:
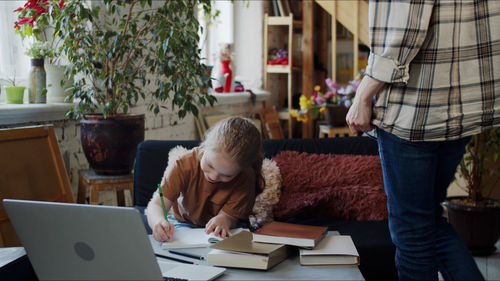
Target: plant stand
88	179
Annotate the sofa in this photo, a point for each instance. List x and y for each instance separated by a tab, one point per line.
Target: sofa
371	237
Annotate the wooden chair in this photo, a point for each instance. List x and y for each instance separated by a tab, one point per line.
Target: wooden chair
271	123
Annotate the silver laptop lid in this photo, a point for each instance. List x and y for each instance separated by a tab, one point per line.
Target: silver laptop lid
83	242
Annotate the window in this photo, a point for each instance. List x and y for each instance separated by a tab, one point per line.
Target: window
13	61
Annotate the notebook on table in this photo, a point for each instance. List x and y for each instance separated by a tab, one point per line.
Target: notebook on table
90	242
194	238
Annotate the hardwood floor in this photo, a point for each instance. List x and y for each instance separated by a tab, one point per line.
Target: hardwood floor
490	266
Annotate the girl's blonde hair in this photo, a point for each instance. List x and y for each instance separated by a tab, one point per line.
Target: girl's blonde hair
239	138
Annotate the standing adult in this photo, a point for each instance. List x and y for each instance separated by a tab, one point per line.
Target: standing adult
432	81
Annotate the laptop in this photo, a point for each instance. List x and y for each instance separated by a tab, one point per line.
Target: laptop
91	242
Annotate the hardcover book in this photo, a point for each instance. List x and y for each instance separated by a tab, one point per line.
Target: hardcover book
239	251
332	250
306	236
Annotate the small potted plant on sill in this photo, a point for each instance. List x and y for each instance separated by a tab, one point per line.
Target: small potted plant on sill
476	216
121	52
333	104
37	79
14	94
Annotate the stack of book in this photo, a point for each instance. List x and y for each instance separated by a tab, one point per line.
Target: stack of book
240	251
271	244
315	247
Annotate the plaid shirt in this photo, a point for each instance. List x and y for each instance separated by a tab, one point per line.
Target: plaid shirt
441	62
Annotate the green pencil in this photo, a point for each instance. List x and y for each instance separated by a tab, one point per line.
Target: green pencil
162	203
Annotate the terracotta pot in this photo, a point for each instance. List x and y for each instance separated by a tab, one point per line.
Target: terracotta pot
478	226
110	144
335	115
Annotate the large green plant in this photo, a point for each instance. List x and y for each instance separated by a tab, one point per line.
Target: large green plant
120	51
480	161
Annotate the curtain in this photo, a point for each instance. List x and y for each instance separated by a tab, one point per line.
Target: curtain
13	61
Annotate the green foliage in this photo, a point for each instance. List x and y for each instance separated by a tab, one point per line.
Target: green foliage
123	51
482	149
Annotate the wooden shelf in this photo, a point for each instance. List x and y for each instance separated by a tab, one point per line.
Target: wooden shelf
288	24
279	68
276	21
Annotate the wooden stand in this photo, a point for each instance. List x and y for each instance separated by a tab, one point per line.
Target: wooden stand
97	183
332	132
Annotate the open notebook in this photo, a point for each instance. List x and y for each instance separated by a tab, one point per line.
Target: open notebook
194	238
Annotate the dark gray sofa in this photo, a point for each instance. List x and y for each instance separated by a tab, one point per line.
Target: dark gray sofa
372	238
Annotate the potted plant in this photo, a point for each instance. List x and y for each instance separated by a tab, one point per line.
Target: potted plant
36	20
14	94
476	216
37	79
334	104
123	51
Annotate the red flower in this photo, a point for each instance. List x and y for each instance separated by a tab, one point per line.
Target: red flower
32	9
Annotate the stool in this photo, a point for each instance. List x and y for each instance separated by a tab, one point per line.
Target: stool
97	183
331	132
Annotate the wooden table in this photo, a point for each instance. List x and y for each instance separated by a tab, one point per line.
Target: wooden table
88	179
332	132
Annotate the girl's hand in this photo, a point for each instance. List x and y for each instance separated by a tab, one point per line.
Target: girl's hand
220	225
163	231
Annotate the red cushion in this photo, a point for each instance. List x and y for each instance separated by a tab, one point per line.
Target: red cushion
342	186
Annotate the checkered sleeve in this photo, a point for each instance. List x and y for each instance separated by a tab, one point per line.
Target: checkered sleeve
397	30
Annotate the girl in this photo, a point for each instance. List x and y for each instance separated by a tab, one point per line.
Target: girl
213	185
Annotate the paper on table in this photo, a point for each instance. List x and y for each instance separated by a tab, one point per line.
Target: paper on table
10	254
193	238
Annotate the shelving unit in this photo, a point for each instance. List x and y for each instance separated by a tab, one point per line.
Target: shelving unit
290	23
353	15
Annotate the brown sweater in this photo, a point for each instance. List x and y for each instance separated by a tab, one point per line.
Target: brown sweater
196	200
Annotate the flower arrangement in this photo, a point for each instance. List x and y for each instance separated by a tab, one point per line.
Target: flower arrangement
40	50
36	19
318	102
35	15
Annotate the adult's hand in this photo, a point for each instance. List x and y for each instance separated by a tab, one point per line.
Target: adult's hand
359	115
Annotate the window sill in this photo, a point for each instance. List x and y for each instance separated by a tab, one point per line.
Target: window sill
27	113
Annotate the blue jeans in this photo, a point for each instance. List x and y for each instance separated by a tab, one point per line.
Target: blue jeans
416	177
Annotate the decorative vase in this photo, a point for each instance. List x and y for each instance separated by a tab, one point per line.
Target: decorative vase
110	144
477	225
37	82
335	115
228	75
55	92
14	94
